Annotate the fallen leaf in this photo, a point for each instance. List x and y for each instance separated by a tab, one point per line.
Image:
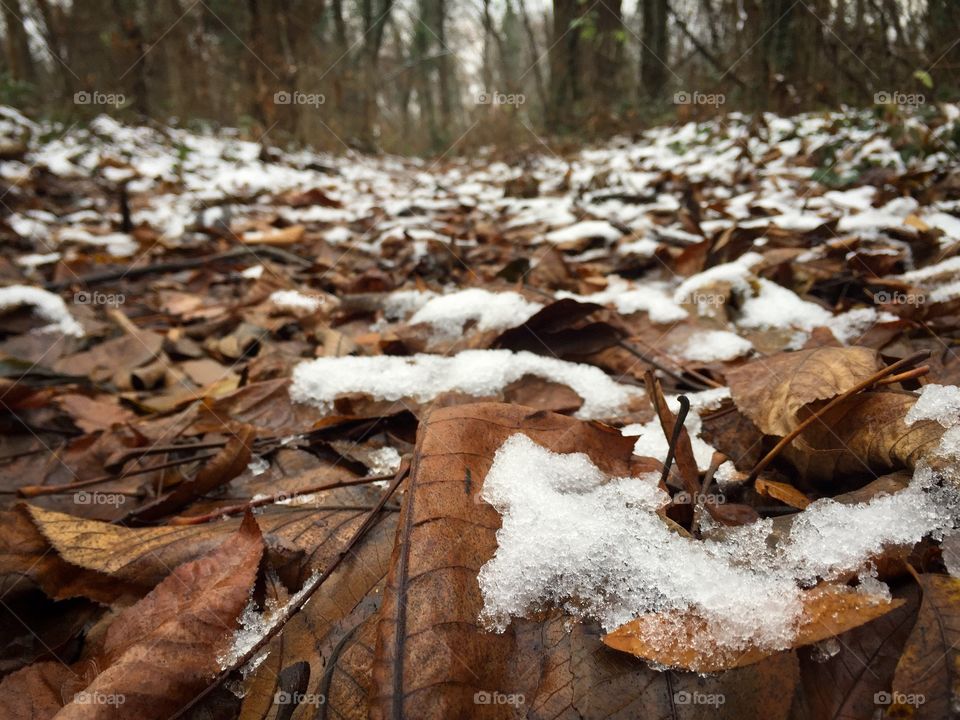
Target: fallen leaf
771	391
683	640
926	683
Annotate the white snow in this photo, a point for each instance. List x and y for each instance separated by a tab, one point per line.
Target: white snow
650	297
593	545
296	300
448	314
714	346
480	373
936	402
585	230
45	304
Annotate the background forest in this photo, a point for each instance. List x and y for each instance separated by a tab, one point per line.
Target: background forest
431	76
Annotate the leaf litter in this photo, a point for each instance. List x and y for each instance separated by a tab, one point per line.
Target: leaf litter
438	408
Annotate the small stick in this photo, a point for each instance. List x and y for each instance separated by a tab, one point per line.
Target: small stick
35	490
277	497
306	593
716	461
872	380
698	385
677	427
908	375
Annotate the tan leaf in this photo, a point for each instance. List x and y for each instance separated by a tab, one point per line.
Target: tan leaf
771	391
783	492
844	685
864	434
683	640
275	236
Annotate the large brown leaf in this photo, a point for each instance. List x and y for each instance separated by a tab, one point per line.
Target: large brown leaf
68	556
772	390
319	634
927	680
432	658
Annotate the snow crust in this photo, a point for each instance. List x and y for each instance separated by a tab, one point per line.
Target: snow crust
715	345
574	538
45	304
448	314
296	300
481	373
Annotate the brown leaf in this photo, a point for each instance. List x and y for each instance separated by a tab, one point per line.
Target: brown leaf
561	329
864	434
783	492
771	391
926	683
69	556
844	686
683	640
319	635
91	414
683	452
36	692
431	655
160	652
223	467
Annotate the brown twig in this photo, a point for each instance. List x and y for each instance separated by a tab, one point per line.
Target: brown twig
872	380
275	498
35	490
700	382
908	375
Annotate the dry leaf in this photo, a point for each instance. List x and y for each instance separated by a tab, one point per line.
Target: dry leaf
683	641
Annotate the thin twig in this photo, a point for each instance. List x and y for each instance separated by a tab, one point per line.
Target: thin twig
704	384
677	427
35	490
270	500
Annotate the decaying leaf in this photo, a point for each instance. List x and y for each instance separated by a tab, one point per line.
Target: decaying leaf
771	391
926	683
162	650
683	640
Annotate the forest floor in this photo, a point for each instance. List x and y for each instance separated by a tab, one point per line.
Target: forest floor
665	428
